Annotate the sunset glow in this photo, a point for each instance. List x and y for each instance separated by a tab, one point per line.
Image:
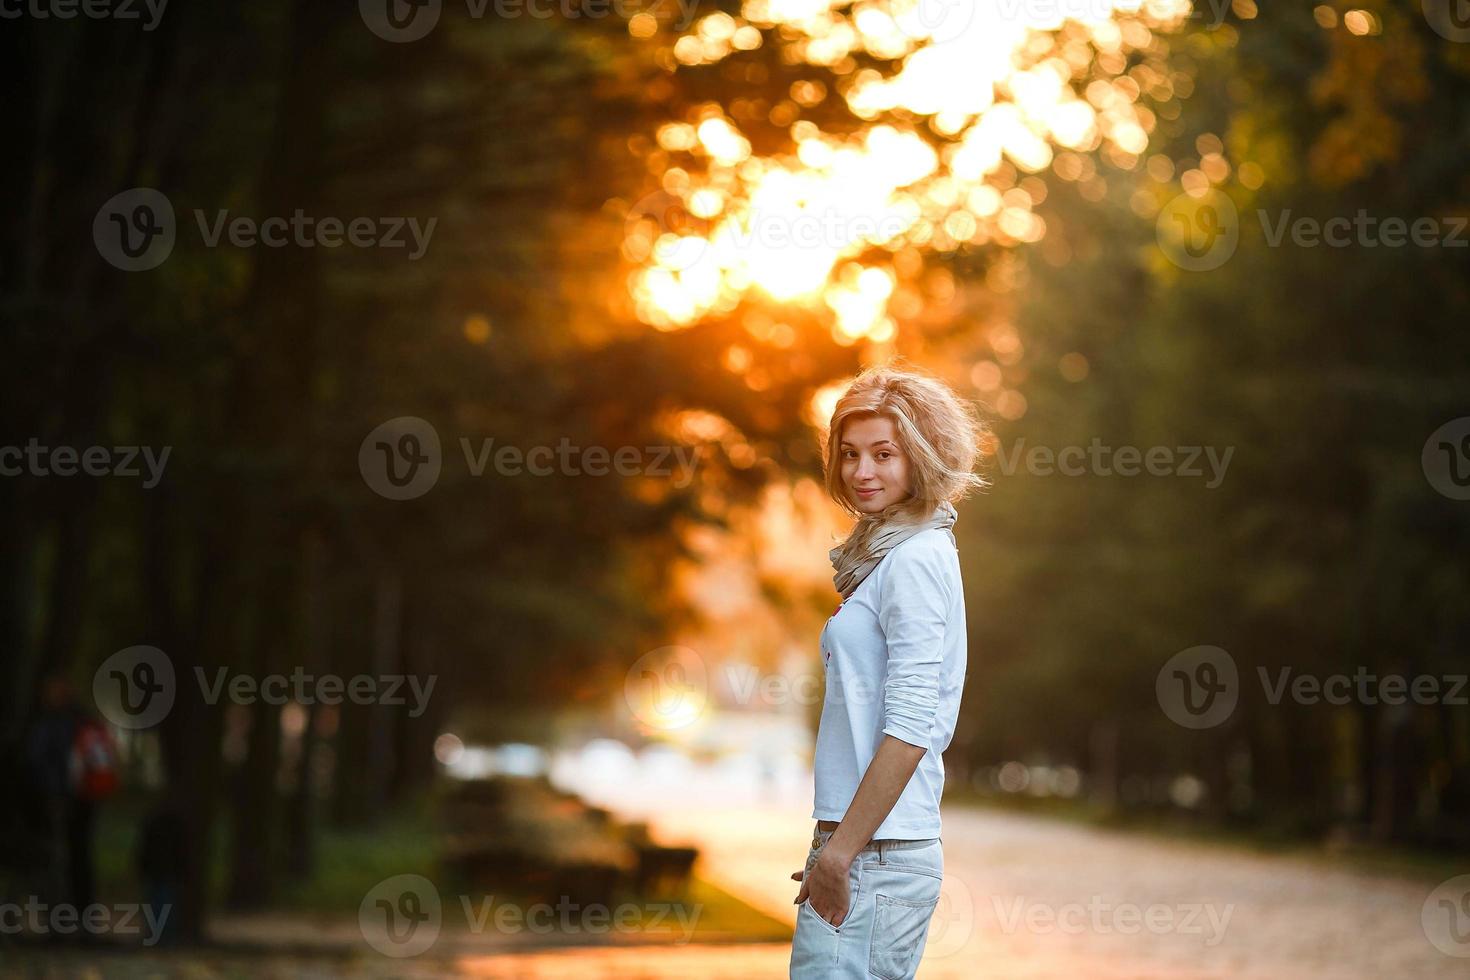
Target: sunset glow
1003	93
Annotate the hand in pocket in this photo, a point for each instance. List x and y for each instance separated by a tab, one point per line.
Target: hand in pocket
826	886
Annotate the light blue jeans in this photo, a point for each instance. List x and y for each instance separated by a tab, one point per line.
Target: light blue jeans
893	890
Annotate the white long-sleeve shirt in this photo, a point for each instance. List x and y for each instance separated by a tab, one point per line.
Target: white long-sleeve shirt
895	662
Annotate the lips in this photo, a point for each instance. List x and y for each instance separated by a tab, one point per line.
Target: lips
865	494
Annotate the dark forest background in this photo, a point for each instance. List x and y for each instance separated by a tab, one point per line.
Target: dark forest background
1326	369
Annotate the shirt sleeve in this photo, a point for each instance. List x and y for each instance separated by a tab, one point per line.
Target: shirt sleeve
914	606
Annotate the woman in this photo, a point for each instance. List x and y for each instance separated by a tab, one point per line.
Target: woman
901	447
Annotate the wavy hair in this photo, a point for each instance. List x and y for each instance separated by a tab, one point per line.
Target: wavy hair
939	433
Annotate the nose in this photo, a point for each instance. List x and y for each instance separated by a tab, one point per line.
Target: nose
864	469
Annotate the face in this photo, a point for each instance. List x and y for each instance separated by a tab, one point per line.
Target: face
874	469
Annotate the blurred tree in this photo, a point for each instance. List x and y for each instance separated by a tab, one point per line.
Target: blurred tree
1324	549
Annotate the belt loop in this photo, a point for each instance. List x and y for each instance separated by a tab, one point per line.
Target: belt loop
882	852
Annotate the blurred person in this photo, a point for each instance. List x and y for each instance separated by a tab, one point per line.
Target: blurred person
73	764
900	449
160	861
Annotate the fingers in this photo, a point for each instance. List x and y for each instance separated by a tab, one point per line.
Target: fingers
834	921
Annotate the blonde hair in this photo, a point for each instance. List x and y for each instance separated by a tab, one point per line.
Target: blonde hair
938	432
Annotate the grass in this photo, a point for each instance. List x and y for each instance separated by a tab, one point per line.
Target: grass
350	862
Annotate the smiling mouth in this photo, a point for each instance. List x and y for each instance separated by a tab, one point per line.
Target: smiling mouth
868	493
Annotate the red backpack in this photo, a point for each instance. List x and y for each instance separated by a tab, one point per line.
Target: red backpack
94	762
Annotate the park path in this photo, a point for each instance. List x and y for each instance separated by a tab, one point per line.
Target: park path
1024	898
1030	898
1033	897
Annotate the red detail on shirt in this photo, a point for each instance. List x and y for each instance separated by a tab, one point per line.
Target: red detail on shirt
827	654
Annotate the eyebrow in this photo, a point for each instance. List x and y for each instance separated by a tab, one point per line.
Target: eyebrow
880	442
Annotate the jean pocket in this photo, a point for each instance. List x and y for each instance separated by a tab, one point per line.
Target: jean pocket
815	946
806	907
899	928
854	889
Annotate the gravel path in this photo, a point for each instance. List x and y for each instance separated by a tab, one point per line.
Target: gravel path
1024	898
1031	897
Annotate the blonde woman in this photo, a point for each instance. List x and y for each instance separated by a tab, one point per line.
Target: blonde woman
901	447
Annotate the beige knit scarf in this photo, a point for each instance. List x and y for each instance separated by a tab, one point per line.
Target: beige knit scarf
874	536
